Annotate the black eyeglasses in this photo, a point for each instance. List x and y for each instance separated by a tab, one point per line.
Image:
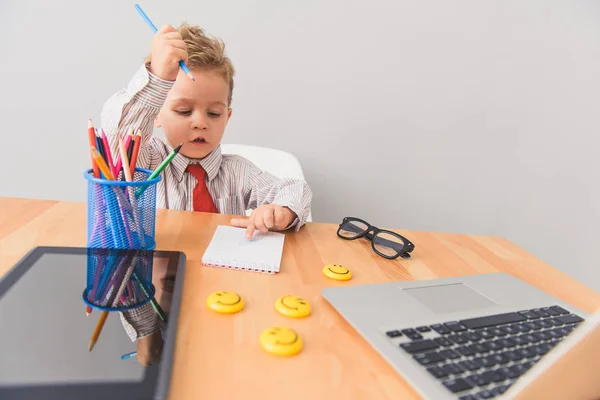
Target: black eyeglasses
386	243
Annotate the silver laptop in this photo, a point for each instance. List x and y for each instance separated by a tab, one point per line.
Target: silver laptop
469	337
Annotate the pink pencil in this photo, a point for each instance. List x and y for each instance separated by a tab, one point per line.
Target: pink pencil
111	166
119	164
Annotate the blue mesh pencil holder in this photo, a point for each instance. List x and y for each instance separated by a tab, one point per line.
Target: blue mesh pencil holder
122	215
118	280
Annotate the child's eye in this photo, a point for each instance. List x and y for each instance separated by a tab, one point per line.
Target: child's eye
214	115
183	112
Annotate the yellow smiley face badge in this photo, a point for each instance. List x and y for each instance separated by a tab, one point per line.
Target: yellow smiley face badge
293	306
225	302
337	272
281	341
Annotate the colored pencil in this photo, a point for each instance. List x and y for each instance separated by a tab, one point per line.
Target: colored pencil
160	168
98	329
119	165
92	140
151	25
130	147
102	164
109	159
125	159
136	149
157	308
128	355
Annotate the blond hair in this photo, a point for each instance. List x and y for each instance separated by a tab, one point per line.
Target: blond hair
206	52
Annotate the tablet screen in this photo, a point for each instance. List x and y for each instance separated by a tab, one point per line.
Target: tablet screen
45	334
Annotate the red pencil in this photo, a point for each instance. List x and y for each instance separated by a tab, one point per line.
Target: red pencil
136	149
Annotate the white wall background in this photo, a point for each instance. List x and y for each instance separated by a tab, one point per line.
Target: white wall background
463	116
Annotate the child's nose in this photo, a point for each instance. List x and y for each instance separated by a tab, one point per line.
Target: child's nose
200	122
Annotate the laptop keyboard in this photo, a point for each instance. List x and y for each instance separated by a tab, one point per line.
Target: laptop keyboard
479	358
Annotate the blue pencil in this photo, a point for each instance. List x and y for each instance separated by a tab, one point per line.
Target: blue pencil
151	25
128	355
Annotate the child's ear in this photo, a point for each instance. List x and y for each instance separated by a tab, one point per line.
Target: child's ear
157	122
229	111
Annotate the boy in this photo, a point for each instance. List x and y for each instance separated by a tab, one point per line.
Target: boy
199	178
196	113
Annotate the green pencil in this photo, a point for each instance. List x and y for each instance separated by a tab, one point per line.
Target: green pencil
159	169
155	305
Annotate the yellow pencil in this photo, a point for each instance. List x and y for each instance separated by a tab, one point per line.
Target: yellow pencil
98	329
125	159
102	164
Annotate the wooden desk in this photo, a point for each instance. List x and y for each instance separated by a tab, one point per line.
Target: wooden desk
218	356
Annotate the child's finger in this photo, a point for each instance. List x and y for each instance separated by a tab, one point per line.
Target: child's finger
173	35
166	28
250	231
269	217
240	222
280	222
180	44
259	221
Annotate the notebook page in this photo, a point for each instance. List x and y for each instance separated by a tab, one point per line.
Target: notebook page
230	248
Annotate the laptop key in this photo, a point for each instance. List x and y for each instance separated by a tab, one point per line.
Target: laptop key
455	326
512	355
569	319
533	337
485	334
555	321
419	346
485	361
412	334
525	352
428	358
508	373
449	354
550	311
517	370
508	329
540	312
492	320
472	336
545	323
442	341
423	329
468	365
493	375
480	379
500	359
466	350
559	310
497	332
481	348
441	329
467	397
530	326
458	339
508	342
495	345
393	334
485	394
452	368
437	372
529	314
457	385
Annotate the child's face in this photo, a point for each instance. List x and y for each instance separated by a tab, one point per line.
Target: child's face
195	113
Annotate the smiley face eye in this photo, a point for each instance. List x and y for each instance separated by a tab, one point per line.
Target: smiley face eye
301	302
219	294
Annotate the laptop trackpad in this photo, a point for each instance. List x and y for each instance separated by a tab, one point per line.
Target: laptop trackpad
449	298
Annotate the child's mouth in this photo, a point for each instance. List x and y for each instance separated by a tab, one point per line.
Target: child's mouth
199	140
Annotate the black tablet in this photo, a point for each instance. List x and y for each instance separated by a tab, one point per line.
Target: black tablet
45	333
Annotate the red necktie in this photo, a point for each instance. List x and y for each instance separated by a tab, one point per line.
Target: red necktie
202	199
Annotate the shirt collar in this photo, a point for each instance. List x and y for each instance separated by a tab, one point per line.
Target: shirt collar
211	164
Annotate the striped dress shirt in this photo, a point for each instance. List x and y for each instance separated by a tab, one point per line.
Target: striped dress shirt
235	184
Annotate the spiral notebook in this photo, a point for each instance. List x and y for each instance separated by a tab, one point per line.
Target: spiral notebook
229	248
